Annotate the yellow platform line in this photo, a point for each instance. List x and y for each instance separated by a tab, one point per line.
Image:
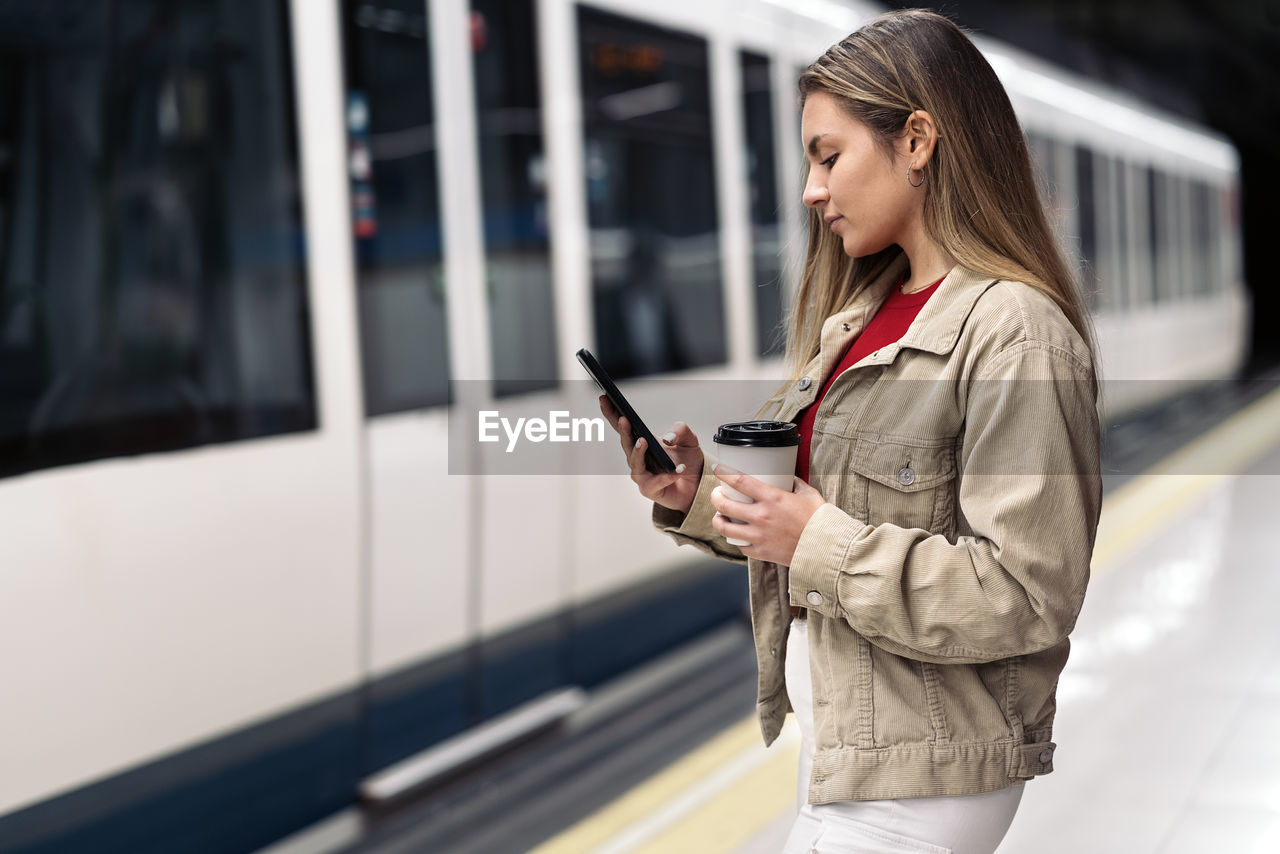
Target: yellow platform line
720	821
637	807
738	812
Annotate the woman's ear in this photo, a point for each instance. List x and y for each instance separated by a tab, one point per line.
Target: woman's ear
918	139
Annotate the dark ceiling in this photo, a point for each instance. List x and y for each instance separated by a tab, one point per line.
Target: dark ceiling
1215	62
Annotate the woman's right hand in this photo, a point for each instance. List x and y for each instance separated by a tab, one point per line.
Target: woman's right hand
673	491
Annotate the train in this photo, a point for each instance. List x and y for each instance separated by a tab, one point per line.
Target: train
263	264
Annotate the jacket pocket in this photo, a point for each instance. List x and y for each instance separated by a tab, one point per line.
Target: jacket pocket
909	482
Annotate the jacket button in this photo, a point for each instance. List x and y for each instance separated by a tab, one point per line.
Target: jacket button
814	598
804	383
773	651
845	327
906	476
1045	756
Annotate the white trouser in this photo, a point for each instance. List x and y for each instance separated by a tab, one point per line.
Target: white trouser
958	824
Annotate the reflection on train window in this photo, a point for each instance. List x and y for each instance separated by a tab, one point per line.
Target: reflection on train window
651	194
151	258
396	205
762	183
513	180
1086	222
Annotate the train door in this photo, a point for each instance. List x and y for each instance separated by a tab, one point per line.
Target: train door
450	231
417	519
522	572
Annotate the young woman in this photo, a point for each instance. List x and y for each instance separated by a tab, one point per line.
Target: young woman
911	598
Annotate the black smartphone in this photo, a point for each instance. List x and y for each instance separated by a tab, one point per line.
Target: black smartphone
655	458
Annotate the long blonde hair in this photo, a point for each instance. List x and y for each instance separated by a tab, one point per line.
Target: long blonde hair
981	203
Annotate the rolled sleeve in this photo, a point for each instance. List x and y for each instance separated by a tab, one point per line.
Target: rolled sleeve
820	559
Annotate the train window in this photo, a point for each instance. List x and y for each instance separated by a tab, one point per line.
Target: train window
1230	234
1191	225
1183	253
396	205
513	180
1086	222
762	183
1138	257
152	276
1213	212
1172	243
1202	231
651	196
1114	290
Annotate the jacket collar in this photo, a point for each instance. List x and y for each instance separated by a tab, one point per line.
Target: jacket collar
936	328
938	325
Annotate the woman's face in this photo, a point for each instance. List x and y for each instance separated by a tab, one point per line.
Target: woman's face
861	191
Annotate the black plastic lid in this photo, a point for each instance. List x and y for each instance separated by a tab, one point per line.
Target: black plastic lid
758	434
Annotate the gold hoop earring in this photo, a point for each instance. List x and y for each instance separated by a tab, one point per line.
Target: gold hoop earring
913	183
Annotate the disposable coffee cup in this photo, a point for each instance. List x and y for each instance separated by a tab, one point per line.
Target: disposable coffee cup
766	450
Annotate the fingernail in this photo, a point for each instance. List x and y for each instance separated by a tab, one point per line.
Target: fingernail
638	441
669	437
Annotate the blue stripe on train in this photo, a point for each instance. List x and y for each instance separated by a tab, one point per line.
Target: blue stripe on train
246	790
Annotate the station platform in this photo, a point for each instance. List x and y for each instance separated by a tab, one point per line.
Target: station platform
1169	708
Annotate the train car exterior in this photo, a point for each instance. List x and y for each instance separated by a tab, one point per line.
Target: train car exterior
1149	206
259	261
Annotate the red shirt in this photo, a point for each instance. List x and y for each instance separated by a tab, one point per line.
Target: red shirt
890	324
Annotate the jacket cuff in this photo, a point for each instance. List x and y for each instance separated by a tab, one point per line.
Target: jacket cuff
820	555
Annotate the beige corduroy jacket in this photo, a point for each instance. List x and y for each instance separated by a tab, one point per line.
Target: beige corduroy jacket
943	575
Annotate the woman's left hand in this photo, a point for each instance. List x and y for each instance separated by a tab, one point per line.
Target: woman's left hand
773	523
